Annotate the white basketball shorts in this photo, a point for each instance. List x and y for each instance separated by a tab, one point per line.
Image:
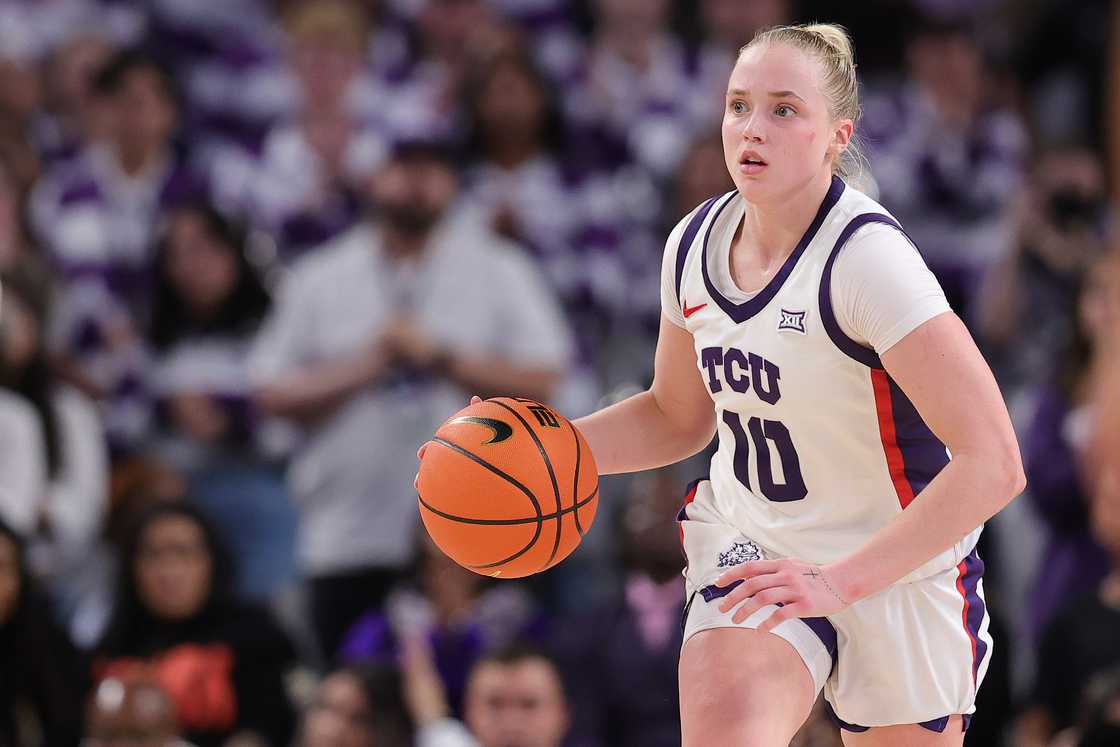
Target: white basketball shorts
914	653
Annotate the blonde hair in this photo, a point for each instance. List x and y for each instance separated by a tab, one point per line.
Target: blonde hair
341	22
831	46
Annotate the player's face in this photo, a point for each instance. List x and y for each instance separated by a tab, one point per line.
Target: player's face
516	705
778	136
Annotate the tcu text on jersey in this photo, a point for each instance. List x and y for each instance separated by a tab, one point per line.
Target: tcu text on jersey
742	371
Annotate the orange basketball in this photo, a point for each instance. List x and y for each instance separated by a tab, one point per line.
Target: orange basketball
508	487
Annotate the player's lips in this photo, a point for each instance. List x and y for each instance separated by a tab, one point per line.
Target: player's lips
751	162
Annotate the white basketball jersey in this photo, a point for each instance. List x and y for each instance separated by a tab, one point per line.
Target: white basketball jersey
818	447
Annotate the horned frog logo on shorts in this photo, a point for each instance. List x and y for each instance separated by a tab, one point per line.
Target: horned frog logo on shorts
740	552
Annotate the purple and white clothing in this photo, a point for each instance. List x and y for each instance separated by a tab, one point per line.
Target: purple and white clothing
215	366
32	29
819	449
98	227
642	109
954	191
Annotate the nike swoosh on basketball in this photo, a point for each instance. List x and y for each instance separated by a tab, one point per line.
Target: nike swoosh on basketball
689	311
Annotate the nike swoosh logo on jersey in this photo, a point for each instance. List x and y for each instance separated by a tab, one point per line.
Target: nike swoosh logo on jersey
689	311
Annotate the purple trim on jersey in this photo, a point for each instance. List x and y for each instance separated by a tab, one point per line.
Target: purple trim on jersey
740	313
689	497
823	629
688	237
923	454
712	592
820	626
973	568
847	345
935	724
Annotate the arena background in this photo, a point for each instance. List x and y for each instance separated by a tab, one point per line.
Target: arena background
212	387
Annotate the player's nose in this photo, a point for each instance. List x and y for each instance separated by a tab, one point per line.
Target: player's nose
753	128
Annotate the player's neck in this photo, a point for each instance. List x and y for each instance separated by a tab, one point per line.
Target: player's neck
771	231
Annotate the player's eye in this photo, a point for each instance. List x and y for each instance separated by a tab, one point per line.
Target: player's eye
784	110
738	107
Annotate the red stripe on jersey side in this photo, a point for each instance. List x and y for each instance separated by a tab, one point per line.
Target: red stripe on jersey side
896	465
962	569
688	498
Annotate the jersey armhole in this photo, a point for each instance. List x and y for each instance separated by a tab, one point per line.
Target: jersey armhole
847	345
687	239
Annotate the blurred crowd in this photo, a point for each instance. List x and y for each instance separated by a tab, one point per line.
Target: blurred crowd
253	252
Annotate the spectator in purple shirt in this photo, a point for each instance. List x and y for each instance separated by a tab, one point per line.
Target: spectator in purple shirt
315	160
949	157
1072	563
634	83
96	217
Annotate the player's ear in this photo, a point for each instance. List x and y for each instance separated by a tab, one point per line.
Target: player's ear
841	136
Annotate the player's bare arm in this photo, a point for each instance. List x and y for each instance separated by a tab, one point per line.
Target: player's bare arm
669	422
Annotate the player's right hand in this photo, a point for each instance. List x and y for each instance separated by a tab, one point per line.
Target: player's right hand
424	447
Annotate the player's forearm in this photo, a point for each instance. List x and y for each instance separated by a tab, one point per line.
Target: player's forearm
967	492
638	434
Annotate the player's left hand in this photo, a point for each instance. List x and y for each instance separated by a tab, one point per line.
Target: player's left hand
803	589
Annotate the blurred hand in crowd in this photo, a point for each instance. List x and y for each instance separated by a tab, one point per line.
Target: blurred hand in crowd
424	693
1064	212
131	712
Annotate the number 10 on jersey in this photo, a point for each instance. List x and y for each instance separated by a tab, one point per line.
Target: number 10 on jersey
761	432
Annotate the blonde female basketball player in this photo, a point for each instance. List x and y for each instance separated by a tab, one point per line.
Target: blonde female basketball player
833	546
799	309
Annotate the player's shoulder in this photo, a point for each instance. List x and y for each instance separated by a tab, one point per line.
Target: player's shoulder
862	220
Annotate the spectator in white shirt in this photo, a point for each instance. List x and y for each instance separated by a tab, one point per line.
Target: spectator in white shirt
373	340
55	487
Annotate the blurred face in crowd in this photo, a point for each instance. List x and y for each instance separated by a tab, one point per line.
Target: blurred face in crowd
734	22
144	112
73	70
340	716
950	66
173	568
793	135
701	175
520	704
136	714
413	193
328	48
20	89
651	539
1105	514
201	268
9	217
1099	304
637	17
451	588
9	578
452	28
511	102
20	336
